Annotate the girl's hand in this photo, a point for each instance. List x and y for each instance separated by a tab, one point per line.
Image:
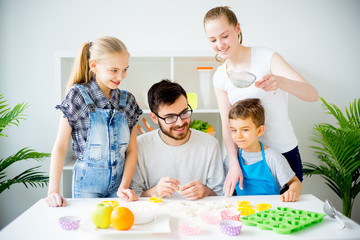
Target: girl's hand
55	200
290	196
127	194
234	175
269	82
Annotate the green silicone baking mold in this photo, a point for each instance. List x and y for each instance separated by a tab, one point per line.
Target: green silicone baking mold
282	219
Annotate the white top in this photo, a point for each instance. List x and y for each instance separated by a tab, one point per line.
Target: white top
279	133
277	163
197	159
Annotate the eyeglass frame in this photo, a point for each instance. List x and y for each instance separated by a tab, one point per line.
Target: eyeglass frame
177	115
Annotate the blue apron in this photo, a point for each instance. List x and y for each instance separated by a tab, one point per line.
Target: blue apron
99	172
258	179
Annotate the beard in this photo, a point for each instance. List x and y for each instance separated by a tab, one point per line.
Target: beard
170	133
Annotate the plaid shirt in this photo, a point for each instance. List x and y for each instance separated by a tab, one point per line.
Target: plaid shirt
76	111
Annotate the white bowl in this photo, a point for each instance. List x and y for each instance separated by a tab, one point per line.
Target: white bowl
144	212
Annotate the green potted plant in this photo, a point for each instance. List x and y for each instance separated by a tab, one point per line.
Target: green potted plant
30	177
338	150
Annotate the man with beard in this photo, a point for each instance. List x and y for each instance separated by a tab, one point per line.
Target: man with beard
175	159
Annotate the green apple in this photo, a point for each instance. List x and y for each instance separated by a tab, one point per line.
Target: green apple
100	215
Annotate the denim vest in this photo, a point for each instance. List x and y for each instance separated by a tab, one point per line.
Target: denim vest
99	172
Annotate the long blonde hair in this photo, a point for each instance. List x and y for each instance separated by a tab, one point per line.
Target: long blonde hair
97	51
218	12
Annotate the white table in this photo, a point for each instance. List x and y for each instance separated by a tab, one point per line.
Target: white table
41	222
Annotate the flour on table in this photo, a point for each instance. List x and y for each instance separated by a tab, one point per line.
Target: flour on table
191	209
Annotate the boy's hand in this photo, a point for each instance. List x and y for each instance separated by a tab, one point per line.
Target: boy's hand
289	196
293	194
127	194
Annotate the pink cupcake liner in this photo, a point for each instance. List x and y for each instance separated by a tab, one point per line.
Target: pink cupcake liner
69	222
189	228
211	217
230	227
230	214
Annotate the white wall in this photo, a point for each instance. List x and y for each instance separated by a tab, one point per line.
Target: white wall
318	38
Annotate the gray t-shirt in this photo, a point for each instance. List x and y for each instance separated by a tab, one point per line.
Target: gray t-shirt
197	159
277	163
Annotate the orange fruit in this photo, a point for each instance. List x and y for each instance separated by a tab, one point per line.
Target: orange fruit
122	218
210	129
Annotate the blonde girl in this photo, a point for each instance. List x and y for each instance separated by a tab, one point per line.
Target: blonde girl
100	118
275	79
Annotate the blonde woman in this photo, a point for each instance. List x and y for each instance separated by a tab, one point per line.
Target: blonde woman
100	118
275	78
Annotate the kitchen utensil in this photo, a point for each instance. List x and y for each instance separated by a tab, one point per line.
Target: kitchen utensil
330	210
69	222
141	130
231	228
262	207
282	220
155	199
147	125
243	204
244	211
205	84
242	79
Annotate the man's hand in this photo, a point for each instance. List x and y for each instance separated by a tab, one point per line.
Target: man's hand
195	190
166	187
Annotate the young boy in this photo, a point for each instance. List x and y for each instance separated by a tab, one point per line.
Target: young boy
265	170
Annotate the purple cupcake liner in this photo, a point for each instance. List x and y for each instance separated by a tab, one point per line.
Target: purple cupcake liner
230	227
69	222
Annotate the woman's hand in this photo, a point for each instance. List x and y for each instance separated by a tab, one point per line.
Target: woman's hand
127	194
55	200
234	175
269	82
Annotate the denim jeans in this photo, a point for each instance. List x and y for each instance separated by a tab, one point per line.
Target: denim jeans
99	172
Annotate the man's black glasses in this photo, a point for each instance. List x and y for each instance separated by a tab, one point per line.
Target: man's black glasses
173	118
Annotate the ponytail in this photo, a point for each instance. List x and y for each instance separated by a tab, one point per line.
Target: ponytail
81	70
